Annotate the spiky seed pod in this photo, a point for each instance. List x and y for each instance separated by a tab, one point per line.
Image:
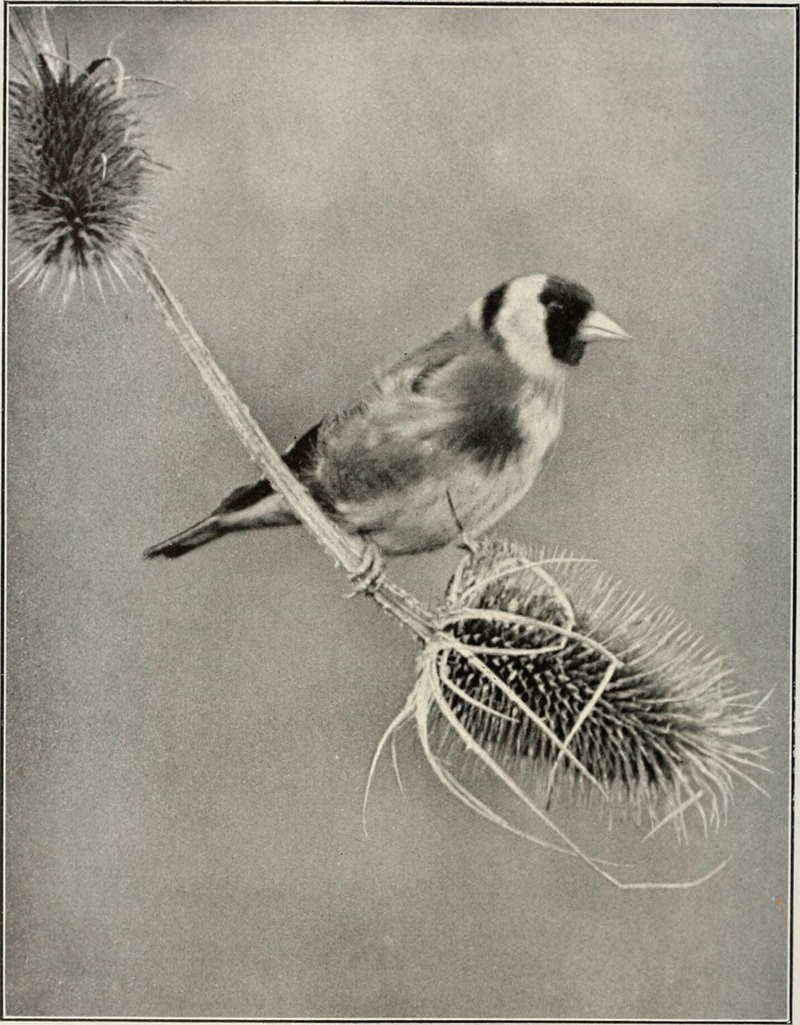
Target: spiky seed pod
565	684
76	166
663	715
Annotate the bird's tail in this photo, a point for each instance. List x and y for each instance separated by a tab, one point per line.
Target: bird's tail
179	544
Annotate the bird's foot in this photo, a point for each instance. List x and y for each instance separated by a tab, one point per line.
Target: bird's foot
463	540
370	574
468	542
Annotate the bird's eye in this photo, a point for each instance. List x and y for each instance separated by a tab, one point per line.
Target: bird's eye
555	307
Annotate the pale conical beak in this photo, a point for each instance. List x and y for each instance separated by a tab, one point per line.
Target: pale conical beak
598	328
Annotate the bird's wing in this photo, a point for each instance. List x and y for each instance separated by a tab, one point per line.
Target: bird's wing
398	433
244	496
374	441
415	370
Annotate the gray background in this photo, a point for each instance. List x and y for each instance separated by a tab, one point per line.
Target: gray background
188	743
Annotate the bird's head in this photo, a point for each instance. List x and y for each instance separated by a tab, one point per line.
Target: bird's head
540	319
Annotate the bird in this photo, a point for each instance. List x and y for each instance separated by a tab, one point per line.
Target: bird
447	440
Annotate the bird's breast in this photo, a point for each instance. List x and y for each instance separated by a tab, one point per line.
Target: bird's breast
538	422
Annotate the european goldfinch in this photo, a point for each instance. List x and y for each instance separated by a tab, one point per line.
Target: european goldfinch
448	439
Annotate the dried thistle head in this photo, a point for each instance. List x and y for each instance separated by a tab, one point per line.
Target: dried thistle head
76	163
566	685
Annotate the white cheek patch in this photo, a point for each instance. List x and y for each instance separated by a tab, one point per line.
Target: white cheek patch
521	324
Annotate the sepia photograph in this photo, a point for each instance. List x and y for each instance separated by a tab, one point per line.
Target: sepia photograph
399	511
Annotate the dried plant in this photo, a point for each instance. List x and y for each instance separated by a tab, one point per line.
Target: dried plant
566	685
76	163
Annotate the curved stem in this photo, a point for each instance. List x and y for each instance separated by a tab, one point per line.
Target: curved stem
349	550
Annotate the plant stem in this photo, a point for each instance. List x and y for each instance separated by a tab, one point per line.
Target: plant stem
349	550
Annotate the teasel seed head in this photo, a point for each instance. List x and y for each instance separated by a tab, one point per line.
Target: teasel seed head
76	163
567	686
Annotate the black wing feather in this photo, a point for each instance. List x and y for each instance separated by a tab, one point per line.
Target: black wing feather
299	457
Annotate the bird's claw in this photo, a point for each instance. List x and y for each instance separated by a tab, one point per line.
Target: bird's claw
371	572
468	542
464	540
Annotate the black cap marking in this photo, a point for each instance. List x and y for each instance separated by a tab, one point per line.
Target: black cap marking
567	305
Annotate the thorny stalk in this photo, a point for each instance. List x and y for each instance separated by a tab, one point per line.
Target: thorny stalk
356	557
